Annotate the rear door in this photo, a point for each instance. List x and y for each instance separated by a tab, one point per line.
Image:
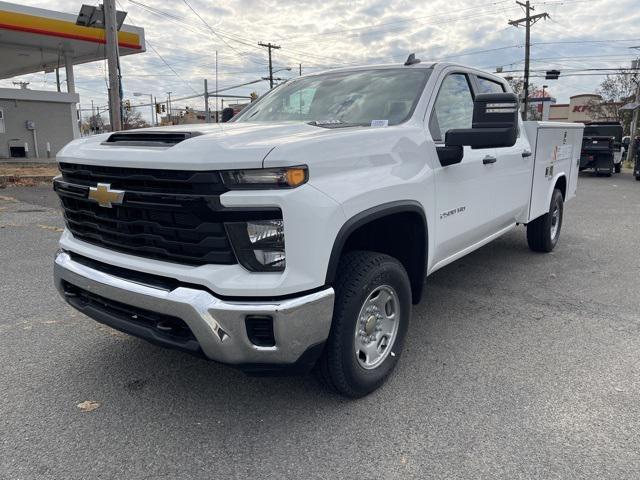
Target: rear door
512	171
464	195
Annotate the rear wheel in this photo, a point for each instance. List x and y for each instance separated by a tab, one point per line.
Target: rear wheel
544	231
611	168
618	167
371	316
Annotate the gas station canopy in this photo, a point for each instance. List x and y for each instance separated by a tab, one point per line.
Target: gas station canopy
35	40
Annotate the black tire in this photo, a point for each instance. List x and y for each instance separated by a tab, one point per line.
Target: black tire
610	170
638	178
539	231
618	167
359	274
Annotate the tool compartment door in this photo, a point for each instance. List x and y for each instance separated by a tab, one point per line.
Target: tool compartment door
556	147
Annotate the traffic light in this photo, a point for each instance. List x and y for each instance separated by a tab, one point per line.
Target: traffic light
158	110
552	75
163	108
127	105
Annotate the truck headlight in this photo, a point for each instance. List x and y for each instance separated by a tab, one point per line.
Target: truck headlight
258	245
263	178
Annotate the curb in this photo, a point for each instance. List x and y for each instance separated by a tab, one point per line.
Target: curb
9	179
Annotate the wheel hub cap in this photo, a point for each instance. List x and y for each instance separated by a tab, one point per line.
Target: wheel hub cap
377	327
555	222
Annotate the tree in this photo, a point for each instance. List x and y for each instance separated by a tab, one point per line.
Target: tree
616	91
94	124
517	85
133	119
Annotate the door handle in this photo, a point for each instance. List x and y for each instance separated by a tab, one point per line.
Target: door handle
489	159
526	153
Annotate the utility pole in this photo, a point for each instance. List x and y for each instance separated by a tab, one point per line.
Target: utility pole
300	69
111	37
528	22
169	107
155	110
270	47
207	115
217	86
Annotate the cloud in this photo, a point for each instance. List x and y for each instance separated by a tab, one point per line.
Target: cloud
334	33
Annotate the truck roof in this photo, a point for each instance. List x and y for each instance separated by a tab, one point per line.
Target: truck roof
422	64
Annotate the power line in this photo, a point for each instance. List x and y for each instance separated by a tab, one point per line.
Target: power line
210	28
219	33
589	41
160	56
377	26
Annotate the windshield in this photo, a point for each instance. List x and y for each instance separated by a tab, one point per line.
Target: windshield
383	96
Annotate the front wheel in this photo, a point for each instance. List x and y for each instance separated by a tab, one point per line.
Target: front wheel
371	316
544	231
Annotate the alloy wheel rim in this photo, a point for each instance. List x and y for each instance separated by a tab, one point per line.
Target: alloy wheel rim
377	327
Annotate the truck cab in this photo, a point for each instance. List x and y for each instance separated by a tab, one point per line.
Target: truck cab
298	235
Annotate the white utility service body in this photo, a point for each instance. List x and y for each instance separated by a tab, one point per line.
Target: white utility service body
383	183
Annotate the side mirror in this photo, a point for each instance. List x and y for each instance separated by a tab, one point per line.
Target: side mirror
449	155
495	123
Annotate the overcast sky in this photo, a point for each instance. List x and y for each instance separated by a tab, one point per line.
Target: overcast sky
323	34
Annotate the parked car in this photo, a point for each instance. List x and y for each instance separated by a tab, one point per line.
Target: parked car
299	234
602	147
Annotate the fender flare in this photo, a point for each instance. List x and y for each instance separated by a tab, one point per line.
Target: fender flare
372	214
554	183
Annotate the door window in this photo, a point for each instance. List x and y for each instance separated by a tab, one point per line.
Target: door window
453	107
489	86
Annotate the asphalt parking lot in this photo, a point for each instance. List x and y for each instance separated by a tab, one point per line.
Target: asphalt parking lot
517	365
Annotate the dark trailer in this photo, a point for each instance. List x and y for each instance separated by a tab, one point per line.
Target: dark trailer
602	147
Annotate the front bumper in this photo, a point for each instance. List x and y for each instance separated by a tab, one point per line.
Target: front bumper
300	325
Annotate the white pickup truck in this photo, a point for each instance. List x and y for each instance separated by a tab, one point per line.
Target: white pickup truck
299	234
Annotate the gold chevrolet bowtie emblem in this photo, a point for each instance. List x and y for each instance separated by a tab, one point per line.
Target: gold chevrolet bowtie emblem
106	197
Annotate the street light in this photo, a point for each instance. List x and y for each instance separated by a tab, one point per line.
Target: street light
153	110
288	69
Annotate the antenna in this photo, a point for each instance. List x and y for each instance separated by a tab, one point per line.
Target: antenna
411	60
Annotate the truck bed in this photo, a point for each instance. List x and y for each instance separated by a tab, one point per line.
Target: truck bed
556	148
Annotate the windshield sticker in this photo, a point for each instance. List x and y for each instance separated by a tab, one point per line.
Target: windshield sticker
379	123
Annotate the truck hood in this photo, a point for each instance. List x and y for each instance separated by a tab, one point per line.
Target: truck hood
213	146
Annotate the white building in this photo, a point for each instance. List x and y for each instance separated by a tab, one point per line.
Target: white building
35	40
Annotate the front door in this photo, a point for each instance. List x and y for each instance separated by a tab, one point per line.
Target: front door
464	197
